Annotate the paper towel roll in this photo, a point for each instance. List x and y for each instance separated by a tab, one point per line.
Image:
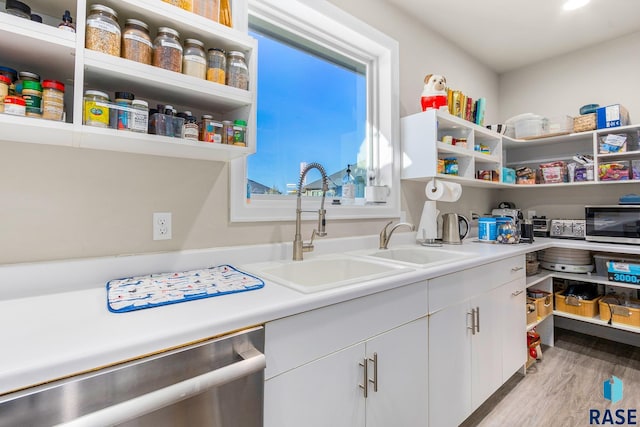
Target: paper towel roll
443	191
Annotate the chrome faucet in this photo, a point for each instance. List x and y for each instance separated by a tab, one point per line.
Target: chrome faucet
384	237
298	245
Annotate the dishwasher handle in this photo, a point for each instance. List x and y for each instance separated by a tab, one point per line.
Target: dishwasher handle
254	361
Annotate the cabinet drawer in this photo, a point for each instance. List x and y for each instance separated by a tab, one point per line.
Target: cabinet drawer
296	340
453	288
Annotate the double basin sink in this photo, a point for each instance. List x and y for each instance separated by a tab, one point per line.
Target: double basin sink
331	271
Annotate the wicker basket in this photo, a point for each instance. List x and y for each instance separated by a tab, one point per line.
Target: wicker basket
586	308
621	314
584	122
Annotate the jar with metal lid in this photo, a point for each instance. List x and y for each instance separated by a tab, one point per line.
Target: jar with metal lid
52	100
167	50
237	71
32	95
216	65
18	8
96	108
122	110
103	31
194	60
139	116
239	132
136	42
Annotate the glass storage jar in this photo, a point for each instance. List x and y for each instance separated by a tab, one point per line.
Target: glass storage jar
194	60
237	71
216	65
52	100
96	108
167	51
103	31
136	42
210	130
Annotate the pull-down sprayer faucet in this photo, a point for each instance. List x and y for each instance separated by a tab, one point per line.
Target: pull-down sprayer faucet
298	245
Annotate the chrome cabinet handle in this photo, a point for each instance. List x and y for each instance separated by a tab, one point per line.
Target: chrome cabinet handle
365	386
514	269
473	321
516	293
374	381
478	319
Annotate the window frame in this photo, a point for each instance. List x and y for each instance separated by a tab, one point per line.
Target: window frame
331	27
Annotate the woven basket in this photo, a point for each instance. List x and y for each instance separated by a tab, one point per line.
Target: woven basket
584	122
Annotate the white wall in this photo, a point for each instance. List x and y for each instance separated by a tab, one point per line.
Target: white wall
70	203
602	74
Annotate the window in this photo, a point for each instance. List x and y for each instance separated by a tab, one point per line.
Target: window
327	93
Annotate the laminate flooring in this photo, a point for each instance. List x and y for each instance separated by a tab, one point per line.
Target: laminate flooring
560	390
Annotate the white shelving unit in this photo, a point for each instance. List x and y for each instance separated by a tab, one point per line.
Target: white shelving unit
60	55
422	146
544	281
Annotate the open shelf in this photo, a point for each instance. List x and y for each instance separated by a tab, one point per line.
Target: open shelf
596	320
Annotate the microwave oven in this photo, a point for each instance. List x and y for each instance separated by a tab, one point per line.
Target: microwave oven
613	223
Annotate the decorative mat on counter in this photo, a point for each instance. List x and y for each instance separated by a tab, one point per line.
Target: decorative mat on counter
152	290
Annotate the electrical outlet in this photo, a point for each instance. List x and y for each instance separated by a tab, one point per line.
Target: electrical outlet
162	226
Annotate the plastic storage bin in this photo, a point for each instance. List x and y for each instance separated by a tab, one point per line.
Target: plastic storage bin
531	127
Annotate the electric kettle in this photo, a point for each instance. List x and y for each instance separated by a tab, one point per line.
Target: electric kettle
452	232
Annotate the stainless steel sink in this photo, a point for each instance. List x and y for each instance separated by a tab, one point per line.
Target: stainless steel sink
317	274
418	256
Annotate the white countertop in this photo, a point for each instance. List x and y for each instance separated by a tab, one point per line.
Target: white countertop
55	321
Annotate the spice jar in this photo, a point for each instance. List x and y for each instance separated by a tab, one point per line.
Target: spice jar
103	31
239	132
32	95
96	108
14	105
227	132
139	116
194	61
67	22
123	110
216	65
5	82
136	42
237	71
167	51
52	100
210	130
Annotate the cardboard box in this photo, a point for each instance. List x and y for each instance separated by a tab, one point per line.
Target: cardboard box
612	116
624	272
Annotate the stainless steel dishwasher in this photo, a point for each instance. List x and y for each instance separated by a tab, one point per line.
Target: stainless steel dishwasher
218	383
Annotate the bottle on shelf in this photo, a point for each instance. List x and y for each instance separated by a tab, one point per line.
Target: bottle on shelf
348	187
67	22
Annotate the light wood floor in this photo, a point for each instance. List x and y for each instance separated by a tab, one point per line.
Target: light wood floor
560	390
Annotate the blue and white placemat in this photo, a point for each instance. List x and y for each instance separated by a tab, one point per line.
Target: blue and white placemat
152	290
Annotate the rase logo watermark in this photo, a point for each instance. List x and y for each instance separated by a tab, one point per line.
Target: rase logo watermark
613	390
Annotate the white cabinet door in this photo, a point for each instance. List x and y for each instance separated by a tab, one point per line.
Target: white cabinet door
321	393
513	326
449	366
486	347
402	379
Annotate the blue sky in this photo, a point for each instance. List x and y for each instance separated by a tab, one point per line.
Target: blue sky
307	111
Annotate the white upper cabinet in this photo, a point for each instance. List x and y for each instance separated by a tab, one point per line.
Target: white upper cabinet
59	55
